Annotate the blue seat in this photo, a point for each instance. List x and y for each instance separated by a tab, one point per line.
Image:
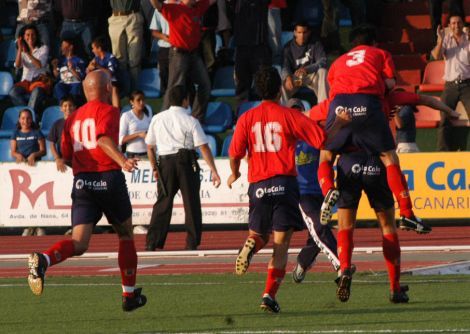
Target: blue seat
5	152
218	117
128	107
306	105
10	118
48	156
245	106
6	82
224	84
212	145
286	36
149	82
226	145
309	11
49	117
10	53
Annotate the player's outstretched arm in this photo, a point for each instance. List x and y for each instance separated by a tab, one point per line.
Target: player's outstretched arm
438	104
110	148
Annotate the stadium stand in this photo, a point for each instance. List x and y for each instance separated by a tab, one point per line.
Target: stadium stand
218	117
5	152
223	84
6	82
433	78
49	117
149	82
226	145
48	156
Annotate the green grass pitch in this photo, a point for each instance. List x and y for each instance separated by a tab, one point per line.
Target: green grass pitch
223	303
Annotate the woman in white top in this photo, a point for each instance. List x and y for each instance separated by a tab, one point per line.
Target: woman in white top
31	56
134	125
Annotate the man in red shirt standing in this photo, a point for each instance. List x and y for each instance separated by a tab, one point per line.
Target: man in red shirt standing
184	20
358	82
268	135
99	186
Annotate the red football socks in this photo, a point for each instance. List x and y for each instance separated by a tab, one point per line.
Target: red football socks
345	248
391	250
127	259
326	177
60	251
397	183
259	242
273	281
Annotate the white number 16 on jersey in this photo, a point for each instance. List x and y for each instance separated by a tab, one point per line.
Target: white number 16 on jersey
272	141
84	134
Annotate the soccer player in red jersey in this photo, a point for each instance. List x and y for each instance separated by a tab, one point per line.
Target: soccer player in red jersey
267	135
89	141
358	82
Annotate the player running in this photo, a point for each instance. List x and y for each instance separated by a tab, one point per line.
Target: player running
99	186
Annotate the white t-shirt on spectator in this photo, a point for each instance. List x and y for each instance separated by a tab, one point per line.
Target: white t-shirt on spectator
161	24
130	124
29	70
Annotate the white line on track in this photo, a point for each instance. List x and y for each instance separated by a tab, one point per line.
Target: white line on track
339	331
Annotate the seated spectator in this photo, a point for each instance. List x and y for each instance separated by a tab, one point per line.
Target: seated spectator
304	65
134	125
67	106
70	69
31	56
106	61
27	141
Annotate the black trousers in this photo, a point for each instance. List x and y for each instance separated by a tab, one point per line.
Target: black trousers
178	172
163	65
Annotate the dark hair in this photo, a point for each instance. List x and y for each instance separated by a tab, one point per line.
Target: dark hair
134	94
100	42
67	98
177	95
365	34
69	40
34	126
267	83
455	14
302	24
31	26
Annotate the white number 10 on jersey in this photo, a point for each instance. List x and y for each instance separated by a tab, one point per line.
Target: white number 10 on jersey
271	141
84	134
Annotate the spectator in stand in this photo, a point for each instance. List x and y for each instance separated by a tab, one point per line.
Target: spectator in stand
435	10
37	12
454	47
250	31
209	27
304	64
106	61
31	56
185	62
330	23
67	106
134	125
70	70
161	31
275	29
78	22
126	29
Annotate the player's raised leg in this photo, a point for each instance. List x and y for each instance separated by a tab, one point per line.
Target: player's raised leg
252	245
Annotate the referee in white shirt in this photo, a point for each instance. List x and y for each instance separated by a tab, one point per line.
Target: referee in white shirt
171	140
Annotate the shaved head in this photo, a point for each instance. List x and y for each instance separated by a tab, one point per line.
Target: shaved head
97	86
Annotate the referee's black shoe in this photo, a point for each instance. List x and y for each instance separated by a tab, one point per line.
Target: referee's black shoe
269	304
414	224
400	296
131	303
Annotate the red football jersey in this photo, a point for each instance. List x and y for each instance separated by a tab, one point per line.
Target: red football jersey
361	70
278	4
269	133
319	112
185	23
82	130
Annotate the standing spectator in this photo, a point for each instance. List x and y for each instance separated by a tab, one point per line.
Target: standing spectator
70	70
304	65
134	125
126	29
36	12
435	11
105	61
275	29
252	51
31	56
207	47
185	62
173	136
67	106
454	47
268	134
99	187
78	22
161	31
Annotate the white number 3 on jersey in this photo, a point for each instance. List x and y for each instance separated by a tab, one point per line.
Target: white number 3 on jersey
84	134
357	58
